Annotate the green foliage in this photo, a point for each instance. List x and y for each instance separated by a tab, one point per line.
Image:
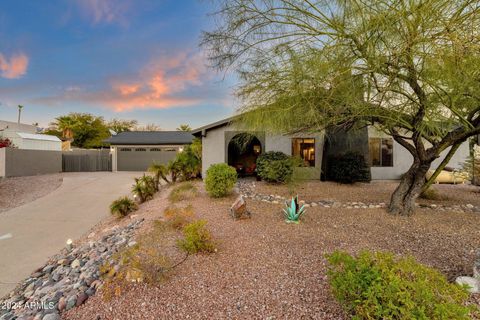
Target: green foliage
220	180
275	166
293	211
349	167
123	206
144	188
119	125
184	127
430	194
159	171
184	191
188	163
379	286
197	238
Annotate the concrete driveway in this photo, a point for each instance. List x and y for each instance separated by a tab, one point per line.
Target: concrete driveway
31	233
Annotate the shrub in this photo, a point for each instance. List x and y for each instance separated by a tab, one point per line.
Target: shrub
6	143
187	164
430	194
123	206
197	238
183	191
144	188
220	180
160	172
275	166
177	218
349	167
379	286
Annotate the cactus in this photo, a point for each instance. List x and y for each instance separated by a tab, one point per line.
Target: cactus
292	212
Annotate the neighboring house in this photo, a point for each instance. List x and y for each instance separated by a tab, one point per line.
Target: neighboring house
388	159
25	136
137	150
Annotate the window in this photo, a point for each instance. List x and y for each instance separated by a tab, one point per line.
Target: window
305	149
125	149
155	149
140	149
381	152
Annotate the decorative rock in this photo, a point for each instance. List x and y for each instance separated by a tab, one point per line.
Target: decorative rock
82	297
239	209
51	316
62	304
472	283
75	264
71	302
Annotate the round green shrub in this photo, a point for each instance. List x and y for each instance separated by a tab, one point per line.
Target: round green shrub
220	180
349	167
275	166
381	286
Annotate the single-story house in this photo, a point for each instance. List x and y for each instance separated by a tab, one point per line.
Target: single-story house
137	150
388	160
25	136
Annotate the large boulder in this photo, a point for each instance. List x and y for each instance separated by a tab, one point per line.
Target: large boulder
239	209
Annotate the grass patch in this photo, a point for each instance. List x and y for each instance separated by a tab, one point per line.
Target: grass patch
183	191
177	218
431	194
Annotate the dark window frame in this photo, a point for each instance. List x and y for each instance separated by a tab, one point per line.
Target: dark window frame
381	141
311	162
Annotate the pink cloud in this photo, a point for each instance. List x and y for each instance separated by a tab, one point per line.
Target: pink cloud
15	67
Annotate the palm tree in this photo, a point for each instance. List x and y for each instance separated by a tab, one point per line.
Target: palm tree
184	127
160	172
66	124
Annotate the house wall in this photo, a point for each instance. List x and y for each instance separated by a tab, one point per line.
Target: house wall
402	159
40	145
215	147
19	162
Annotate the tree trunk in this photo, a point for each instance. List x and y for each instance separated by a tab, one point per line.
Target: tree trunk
410	187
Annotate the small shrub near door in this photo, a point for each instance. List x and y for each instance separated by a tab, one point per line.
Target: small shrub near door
220	180
123	206
275	166
380	286
349	168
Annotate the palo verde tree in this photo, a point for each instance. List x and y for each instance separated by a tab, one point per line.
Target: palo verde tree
409	67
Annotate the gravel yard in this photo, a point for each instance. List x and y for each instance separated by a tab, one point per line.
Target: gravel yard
267	269
16	191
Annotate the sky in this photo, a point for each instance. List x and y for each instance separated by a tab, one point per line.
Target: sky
124	59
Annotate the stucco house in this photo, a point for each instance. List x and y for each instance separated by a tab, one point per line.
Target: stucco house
388	160
137	150
25	136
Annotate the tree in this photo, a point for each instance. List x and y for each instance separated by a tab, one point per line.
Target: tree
411	68
119	125
148	127
184	127
87	130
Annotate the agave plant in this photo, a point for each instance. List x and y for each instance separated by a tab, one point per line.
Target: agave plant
292	212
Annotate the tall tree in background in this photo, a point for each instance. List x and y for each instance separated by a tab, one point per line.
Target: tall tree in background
184	127
409	67
119	125
148	127
87	130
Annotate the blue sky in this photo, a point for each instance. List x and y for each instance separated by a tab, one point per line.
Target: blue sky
127	59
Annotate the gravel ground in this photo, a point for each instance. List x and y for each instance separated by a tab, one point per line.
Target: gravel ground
20	190
371	192
267	269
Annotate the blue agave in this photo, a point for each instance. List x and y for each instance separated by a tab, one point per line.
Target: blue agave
293	212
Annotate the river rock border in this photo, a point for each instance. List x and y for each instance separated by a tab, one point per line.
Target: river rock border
66	280
247	189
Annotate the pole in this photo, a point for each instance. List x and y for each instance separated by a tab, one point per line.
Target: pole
19	112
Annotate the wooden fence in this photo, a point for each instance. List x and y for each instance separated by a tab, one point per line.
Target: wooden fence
86	160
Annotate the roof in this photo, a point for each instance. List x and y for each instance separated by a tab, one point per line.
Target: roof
31	136
213	125
151	138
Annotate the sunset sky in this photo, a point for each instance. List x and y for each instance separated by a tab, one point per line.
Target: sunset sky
128	59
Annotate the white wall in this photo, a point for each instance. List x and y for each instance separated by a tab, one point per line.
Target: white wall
2	161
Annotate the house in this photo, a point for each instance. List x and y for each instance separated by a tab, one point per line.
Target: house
388	160
25	136
137	150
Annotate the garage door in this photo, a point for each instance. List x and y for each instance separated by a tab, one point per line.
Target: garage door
139	159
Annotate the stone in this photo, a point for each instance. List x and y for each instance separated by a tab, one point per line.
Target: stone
72	300
82	297
62	304
472	283
239	209
51	316
75	264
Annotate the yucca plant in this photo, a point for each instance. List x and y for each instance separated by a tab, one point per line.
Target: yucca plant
122	206
144	188
160	171
292	212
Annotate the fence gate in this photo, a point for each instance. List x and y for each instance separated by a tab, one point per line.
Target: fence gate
86	160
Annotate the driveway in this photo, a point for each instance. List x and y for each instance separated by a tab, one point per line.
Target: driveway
33	232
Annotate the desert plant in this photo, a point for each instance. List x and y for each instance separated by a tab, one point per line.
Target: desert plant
122	206
381	286
159	171
189	161
177	218
293	212
197	238
220	180
349	167
144	188
183	191
430	194
275	166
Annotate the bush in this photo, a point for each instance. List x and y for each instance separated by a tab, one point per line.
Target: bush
144	188
183	191
275	166
178	218
122	206
430	194
220	180
197	238
379	286
349	168
187	164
